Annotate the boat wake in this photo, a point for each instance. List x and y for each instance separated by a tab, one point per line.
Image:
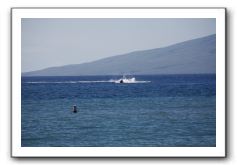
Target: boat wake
63	82
117	81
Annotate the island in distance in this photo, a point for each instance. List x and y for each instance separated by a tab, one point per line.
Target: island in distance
197	56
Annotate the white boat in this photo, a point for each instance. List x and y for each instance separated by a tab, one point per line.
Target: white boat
124	79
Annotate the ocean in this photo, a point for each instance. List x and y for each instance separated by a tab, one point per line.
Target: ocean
150	111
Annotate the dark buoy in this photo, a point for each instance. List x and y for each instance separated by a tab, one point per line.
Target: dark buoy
74	109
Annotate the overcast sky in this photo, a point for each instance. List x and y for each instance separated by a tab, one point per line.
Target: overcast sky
56	42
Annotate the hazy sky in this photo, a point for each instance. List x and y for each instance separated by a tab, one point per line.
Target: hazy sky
55	42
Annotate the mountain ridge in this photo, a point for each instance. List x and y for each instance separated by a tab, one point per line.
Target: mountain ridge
198	57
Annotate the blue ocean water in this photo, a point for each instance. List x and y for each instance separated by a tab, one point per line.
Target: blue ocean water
156	111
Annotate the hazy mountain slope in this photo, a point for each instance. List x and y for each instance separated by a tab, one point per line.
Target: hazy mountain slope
193	56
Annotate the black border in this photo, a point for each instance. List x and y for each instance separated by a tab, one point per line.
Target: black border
227	80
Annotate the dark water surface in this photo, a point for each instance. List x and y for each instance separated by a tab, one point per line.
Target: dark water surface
163	110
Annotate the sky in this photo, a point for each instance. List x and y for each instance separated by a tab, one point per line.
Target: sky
48	42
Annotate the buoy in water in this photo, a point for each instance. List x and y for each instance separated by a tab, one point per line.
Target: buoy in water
74	109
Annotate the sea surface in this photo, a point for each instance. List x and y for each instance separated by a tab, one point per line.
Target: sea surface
152	111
